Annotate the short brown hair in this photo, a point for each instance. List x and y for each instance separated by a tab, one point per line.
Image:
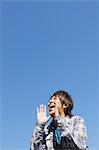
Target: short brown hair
66	99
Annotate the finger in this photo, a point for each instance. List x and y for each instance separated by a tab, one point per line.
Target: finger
41	108
44	108
37	110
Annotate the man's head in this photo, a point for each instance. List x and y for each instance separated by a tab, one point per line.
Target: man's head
64	102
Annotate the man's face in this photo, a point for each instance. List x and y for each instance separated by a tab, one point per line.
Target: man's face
54	103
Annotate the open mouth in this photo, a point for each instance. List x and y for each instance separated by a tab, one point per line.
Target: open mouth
52	106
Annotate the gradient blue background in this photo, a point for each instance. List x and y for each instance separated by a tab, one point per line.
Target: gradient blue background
47	46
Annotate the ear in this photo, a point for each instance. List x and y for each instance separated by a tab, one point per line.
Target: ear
65	106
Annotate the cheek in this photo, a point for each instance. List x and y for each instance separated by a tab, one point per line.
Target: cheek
59	106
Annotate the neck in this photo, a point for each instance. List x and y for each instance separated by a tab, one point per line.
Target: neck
62	113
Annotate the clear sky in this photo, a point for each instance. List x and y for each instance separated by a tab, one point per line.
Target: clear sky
47	46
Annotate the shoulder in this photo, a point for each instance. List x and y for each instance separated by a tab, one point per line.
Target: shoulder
78	119
75	117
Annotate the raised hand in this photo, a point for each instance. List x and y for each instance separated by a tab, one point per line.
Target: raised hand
42	115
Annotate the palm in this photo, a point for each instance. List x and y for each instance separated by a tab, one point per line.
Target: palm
41	114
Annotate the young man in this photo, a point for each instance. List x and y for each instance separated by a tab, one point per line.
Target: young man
64	132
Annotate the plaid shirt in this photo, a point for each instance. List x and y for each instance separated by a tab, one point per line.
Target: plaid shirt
72	128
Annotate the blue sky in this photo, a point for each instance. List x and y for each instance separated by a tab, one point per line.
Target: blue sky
47	46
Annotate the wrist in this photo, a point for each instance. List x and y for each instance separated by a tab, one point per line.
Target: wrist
41	125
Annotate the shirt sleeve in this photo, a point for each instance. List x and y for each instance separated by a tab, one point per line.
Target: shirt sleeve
37	141
75	130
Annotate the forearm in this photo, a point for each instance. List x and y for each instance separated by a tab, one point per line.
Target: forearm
37	138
